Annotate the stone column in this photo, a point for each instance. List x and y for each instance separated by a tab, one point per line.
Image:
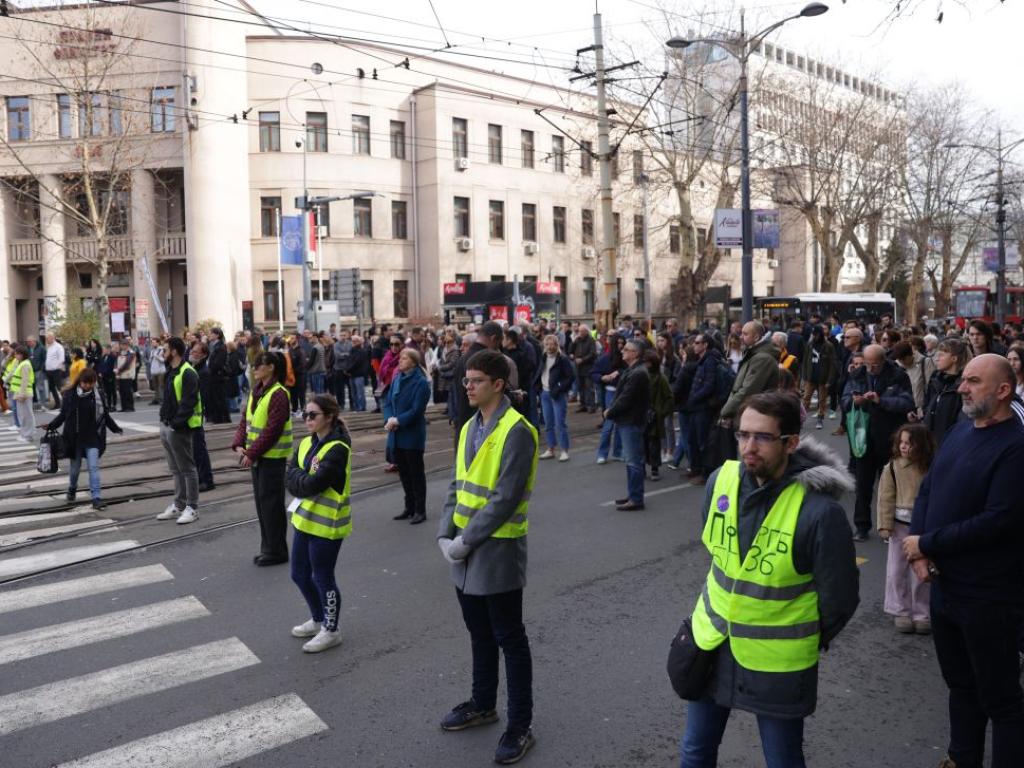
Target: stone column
54	257
217	208
8	315
143	220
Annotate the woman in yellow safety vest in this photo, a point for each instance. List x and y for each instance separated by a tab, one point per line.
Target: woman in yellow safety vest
319	476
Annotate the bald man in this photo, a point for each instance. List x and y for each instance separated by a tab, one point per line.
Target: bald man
883	389
967	536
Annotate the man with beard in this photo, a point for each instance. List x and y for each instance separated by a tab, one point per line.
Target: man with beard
783	581
967	532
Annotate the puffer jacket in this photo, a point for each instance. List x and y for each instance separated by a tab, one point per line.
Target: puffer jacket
822	546
758	372
943	405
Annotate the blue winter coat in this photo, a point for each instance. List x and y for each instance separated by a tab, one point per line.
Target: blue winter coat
560	378
406	399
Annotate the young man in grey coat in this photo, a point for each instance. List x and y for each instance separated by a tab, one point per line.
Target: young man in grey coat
483	535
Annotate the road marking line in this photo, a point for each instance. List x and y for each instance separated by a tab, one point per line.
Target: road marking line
74	696
9	521
73	589
861	560
216	741
96	629
148	429
40	533
653	493
18	566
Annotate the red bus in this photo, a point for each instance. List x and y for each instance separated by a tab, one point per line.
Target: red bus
978	302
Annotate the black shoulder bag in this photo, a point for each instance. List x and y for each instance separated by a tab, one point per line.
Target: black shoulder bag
689	666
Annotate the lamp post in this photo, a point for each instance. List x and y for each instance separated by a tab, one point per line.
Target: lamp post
999	152
740	49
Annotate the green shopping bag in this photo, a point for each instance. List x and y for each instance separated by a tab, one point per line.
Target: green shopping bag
857	431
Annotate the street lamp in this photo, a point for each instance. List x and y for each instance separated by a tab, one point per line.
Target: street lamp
740	49
999	152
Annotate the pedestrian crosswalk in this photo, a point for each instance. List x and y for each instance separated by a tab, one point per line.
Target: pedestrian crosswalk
12	450
223	739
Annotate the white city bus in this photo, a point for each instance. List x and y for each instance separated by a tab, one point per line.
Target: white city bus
866	307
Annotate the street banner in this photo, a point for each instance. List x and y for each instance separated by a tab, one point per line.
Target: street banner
148	276
523	313
498	312
990	257
728	228
291	241
766	228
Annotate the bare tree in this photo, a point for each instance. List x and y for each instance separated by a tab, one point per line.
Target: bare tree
85	71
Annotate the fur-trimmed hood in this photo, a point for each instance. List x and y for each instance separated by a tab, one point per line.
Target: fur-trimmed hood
818	468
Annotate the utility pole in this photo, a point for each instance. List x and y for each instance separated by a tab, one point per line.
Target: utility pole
306	293
608	299
647	258
1000	233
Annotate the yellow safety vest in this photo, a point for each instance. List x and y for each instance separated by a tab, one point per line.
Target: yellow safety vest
256	421
474	484
196	419
16	376
786	360
767	610
329	514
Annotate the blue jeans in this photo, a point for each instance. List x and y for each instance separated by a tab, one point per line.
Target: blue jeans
357	393
316	382
684	438
633	452
554	418
781	739
313	561
92	458
607	429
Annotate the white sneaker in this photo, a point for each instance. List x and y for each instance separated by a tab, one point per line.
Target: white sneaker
602	460
323	640
548	454
307	629
168	514
563	456
188	516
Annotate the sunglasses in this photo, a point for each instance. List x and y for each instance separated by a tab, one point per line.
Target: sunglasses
307	415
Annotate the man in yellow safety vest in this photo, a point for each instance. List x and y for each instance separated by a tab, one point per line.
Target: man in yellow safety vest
783	581
483	535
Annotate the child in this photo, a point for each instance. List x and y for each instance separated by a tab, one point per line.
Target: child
787	383
906	598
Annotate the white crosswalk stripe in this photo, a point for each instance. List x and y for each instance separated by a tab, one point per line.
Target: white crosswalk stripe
20	537
74	634
19	566
9	522
216	741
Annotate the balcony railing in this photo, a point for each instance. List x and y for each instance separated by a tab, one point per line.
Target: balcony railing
25	251
119	248
170	245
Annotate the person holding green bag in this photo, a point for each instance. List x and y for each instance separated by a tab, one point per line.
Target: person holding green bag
881	391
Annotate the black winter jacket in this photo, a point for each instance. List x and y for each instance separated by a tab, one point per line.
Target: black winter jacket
896	400
173	413
943	404
70	417
632	397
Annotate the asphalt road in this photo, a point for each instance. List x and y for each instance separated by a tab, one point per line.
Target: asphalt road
606	591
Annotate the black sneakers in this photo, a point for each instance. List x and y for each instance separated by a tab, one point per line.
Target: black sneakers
468	715
513	746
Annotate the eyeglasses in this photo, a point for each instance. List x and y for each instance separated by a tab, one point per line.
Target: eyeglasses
468	383
759	438
395	344
307	415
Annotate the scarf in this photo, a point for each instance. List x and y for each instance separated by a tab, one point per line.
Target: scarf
99	402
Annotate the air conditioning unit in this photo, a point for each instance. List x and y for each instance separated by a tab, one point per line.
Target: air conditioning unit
464	243
462	163
322	231
773	263
588	252
530	248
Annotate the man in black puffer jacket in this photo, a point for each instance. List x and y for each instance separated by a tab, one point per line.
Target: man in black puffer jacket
629	412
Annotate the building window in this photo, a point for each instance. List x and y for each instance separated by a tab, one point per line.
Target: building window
702	238
529	278
323	218
494	144
461	208
360	134
614	163
19	118
463	277
399	220
270	131
638	166
616	229
587	158
587	226
398	140
558	218
588	296
270	211
162	110
367	298
115	104
271	309
316	131
319	289
460	137
526	142
558	153
90	115
362	217
638	231
497	278
529	222
65	126
563	283
85	280
401	298
640	291
496	214
674	244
